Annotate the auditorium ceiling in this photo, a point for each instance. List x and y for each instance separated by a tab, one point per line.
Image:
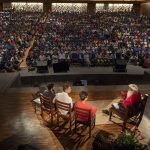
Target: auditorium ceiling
48	1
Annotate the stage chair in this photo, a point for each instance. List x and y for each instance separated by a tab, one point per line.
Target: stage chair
142	109
47	106
38	93
84	113
135	113
64	107
36	101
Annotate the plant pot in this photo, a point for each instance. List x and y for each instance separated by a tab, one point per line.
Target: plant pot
102	146
125	147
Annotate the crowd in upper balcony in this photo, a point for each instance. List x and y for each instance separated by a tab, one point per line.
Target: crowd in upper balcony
16	33
92	38
75	37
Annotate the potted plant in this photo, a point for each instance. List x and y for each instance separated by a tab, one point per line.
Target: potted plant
127	141
102	141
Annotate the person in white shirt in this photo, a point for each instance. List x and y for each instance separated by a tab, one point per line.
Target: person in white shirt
62	56
55	58
64	97
42	57
87	59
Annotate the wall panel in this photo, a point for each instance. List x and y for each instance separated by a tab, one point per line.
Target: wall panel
145	9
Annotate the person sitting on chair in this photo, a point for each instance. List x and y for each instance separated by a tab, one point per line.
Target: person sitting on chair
64	97
129	99
82	104
49	93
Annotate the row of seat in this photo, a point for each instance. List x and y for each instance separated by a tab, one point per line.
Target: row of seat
72	116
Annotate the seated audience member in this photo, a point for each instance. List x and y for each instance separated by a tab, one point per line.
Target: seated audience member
146	61
64	97
87	59
50	93
42	57
134	59
62	56
55	58
82	104
9	67
129	99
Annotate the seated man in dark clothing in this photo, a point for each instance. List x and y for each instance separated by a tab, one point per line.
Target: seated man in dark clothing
49	93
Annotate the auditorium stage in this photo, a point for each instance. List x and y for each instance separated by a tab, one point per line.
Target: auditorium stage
7	80
94	75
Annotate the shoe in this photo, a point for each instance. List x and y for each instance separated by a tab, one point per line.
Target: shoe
105	112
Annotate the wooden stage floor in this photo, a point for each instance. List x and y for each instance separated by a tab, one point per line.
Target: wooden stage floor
7	79
20	125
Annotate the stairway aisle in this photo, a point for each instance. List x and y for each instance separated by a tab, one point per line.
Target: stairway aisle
24	64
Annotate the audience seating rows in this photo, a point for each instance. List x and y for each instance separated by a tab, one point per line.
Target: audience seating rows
73	115
92	39
16	33
79	38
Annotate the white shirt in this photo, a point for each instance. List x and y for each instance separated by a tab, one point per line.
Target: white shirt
63	97
42	57
62	56
54	59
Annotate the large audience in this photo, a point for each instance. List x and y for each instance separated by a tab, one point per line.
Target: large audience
81	38
16	33
92	39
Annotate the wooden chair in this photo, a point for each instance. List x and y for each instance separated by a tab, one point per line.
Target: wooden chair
36	101
61	106
87	120
135	113
142	109
47	106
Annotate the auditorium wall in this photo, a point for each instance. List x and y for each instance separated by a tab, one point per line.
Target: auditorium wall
47	7
91	7
136	7
1	6
6	6
69	7
145	9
